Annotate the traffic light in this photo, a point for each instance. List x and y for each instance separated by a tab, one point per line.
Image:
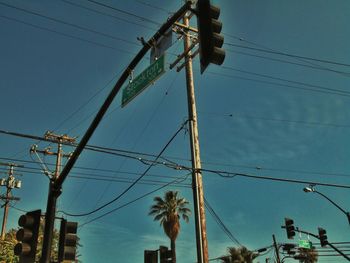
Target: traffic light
210	40
28	236
151	256
165	254
289	228
67	244
322	236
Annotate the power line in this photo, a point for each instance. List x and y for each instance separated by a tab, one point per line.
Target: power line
220	223
105	178
278	84
135	182
289	62
154	6
290	55
226	174
69	24
168	162
287	80
125	12
66	35
244	116
133	201
105	14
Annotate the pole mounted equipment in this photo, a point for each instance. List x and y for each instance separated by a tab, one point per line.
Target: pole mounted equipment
210	39
28	236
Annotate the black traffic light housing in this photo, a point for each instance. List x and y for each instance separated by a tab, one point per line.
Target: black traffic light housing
210	40
322	235
151	256
28	236
165	254
289	224
67	244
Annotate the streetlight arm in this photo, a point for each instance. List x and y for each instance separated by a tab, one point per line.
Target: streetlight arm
341	209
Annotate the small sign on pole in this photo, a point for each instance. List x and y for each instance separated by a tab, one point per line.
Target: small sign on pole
305	244
147	77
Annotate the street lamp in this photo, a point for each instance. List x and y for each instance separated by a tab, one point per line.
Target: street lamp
311	189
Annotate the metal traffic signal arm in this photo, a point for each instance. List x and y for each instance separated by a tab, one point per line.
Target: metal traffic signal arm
322	237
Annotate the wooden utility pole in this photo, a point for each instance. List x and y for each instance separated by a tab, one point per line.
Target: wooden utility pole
197	185
276	249
9	183
51	206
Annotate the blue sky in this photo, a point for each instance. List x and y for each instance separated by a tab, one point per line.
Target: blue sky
284	114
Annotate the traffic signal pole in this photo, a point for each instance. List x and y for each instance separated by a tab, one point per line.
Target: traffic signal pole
197	184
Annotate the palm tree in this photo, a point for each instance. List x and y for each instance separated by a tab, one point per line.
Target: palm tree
238	255
168	211
308	255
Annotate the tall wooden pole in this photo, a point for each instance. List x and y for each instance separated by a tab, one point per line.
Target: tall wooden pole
197	185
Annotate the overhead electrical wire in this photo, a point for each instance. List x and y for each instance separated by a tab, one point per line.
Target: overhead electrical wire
100	177
70	24
66	35
286	80
125	12
109	15
179	167
154	6
220	223
254	167
288	62
135	182
132	201
245	116
290	55
278	84
124	153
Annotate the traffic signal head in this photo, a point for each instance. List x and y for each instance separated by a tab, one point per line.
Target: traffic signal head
322	235
67	245
165	254
210	40
289	223
28	236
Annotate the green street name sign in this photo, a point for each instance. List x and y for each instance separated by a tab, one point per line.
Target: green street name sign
305	244
147	77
